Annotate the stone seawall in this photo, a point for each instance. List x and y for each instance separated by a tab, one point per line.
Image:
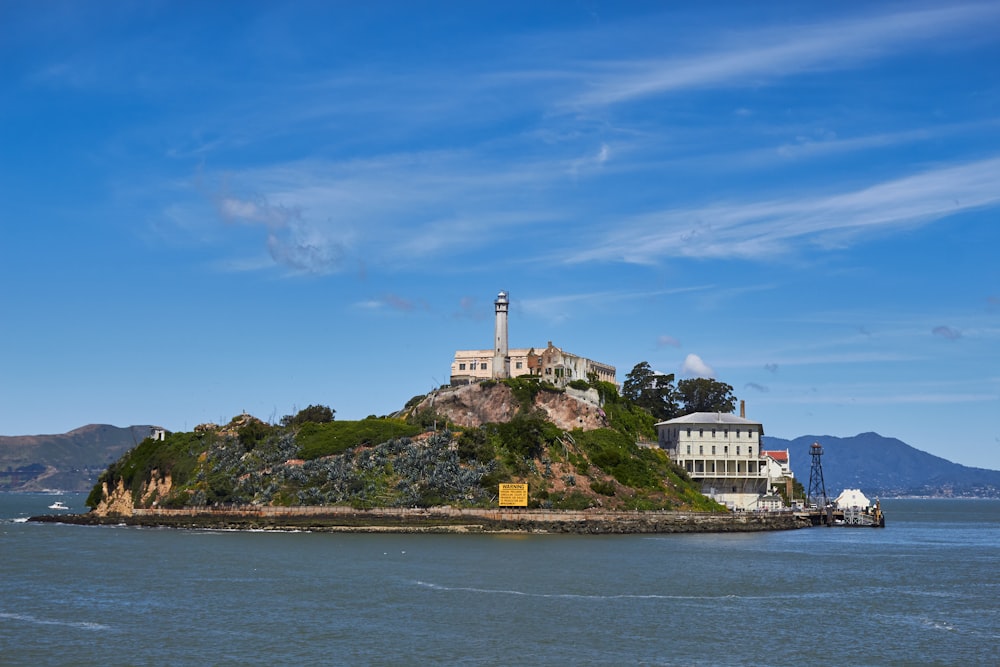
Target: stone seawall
444	519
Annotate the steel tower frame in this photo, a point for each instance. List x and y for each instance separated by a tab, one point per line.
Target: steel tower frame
817	487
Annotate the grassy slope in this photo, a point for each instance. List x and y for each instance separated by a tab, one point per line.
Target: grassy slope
384	462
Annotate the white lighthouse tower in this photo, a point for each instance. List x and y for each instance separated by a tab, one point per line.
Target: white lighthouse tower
501	353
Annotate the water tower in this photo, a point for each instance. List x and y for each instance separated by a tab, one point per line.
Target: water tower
816	495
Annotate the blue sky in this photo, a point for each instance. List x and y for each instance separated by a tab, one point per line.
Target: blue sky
210	208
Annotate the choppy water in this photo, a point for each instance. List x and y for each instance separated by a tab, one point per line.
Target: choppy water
925	590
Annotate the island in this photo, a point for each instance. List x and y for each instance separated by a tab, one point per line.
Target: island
586	454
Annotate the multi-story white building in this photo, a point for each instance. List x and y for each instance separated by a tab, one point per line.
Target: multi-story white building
551	363
722	452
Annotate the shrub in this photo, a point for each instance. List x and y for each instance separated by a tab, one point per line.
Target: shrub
314	414
317	440
474	445
571	501
617	455
254	432
604	487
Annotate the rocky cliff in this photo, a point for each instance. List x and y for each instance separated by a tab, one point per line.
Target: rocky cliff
488	402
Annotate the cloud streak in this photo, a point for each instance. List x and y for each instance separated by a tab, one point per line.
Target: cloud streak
766	55
759	230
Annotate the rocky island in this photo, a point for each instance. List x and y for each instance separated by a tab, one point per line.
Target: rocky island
434	466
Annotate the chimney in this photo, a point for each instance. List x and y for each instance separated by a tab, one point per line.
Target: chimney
743	409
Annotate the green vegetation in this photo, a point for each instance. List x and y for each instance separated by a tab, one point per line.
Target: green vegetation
310	459
316	414
176	456
655	393
318	440
526	388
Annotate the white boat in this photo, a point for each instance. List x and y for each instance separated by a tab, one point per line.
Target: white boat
58	505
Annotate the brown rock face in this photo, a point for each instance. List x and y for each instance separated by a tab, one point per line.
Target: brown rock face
116	502
478	404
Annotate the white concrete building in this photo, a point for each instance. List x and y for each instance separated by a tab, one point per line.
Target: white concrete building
722	452
551	363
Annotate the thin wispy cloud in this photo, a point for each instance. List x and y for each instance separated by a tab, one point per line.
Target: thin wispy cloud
561	306
291	241
392	302
469	308
888	397
948	333
759	230
400	209
667	341
766	55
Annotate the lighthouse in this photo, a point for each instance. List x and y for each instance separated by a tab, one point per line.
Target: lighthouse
501	353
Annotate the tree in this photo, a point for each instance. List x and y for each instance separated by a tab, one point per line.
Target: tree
317	414
705	395
653	392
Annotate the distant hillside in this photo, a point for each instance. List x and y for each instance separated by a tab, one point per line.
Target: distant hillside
66	461
881	466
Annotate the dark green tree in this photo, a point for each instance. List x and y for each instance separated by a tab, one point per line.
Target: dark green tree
653	392
705	395
317	414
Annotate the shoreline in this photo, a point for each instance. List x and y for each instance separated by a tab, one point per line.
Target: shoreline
441	520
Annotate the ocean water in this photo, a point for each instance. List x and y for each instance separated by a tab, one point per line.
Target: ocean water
923	591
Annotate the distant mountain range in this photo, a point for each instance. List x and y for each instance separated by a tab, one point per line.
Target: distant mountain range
66	461
881	466
877	465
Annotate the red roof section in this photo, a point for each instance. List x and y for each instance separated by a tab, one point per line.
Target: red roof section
779	455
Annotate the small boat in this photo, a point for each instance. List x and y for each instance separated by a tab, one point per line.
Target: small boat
58	505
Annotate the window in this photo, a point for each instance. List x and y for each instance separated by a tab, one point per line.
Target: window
461	367
689	449
750	451
737	433
725	450
701	449
701	433
482	367
689	433
713	432
518	365
713	449
737	450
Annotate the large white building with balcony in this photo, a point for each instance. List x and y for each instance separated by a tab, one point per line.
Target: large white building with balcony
722	453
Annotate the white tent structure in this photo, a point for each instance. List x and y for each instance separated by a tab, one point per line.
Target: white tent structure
852	498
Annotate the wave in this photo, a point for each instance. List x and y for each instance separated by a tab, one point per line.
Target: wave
572	596
627	596
80	625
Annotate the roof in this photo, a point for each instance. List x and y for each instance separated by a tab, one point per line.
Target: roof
779	455
711	418
852	498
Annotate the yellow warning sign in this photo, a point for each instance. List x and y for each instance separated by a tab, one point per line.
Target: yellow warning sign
513	495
